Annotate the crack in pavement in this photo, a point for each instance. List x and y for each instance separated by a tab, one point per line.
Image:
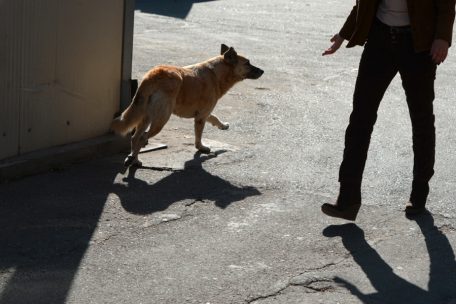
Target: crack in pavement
442	216
446	228
162	221
162	168
312	285
309	279
198	200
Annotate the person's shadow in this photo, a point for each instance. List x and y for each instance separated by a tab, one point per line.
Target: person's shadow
171	8
391	288
192	183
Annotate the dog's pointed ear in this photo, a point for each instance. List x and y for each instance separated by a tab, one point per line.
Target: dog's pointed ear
223	49
230	56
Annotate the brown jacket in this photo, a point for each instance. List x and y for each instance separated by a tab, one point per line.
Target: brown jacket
430	20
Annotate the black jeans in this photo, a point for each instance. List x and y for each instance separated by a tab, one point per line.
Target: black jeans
385	54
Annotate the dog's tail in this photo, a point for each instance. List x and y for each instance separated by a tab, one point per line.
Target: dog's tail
131	117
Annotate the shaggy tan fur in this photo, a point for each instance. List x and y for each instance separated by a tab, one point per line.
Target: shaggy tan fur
189	92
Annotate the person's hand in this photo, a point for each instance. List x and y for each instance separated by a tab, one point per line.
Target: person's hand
337	41
439	50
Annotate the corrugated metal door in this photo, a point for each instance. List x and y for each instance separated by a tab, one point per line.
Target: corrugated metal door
64	71
10	69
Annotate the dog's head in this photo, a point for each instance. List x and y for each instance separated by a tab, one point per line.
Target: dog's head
241	65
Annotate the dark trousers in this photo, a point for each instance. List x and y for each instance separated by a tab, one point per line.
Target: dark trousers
386	53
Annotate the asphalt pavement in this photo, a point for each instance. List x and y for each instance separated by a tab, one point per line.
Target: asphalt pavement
243	224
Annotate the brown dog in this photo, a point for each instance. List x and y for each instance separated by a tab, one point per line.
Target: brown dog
189	92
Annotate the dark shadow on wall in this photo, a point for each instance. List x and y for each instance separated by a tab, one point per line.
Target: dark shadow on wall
46	224
193	182
170	8
392	289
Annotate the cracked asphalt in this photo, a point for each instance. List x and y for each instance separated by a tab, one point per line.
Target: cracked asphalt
243	224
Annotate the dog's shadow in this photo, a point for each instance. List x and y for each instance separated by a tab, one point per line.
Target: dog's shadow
192	183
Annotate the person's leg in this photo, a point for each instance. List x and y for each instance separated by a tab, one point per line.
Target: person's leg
376	70
418	74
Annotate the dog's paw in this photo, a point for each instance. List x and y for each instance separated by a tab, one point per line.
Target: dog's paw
224	126
128	161
132	161
204	149
143	141
136	163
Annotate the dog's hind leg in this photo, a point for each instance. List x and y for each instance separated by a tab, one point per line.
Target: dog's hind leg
136	144
215	121
159	110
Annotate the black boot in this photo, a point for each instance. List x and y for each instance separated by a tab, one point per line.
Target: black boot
417	202
347	204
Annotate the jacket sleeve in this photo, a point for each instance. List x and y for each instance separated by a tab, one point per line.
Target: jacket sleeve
349	26
445	19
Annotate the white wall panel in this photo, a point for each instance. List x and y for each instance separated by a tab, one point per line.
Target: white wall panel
65	68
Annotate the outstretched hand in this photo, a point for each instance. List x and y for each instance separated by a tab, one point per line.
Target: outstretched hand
439	50
337	41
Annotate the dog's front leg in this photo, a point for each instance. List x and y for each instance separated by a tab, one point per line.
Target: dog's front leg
199	127
215	121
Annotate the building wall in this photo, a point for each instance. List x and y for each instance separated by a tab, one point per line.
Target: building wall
60	71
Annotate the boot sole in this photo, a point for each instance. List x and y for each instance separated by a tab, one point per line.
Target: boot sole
348	213
414	210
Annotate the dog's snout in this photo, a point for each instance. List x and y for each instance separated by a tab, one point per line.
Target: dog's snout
255	73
